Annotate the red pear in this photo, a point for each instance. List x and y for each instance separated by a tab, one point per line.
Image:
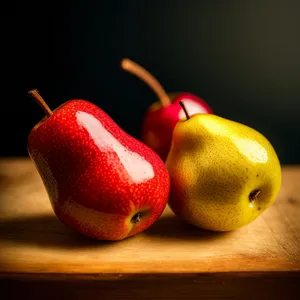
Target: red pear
162	116
101	182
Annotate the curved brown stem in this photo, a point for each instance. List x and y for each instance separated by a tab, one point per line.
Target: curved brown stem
137	70
34	94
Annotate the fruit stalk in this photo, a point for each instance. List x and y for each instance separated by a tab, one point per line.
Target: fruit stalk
34	94
137	70
184	109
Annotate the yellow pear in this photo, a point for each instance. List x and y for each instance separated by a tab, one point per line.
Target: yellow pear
224	174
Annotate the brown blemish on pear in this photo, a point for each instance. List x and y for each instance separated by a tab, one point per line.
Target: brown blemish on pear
253	195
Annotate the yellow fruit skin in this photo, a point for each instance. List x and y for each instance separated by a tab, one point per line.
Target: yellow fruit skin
214	165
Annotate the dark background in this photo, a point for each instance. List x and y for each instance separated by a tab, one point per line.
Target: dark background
242	57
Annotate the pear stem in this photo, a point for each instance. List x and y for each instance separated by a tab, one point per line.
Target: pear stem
137	70
184	109
34	94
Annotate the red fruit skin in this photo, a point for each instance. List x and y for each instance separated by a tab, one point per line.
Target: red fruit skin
158	124
96	175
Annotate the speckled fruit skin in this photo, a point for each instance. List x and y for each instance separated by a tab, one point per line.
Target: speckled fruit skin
214	165
159	122
96	175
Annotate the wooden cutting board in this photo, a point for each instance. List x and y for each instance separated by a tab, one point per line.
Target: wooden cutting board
170	260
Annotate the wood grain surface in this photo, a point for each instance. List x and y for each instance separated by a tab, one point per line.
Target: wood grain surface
34	245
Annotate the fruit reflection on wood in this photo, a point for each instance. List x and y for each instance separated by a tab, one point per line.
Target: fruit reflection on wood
215	173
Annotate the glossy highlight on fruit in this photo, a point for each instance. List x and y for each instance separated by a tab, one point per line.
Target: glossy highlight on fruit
162	116
101	181
223	174
159	122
